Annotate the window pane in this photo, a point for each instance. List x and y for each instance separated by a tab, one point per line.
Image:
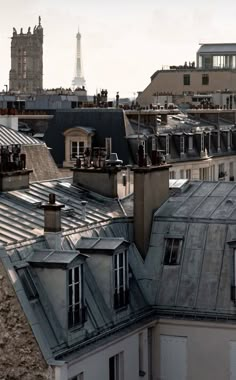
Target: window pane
70	317
76	290
76	315
116	282
76	274
121	260
70	276
172	251
112	368
70	295
168	251
121	277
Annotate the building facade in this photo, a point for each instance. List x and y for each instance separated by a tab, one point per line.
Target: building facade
215	72
26	74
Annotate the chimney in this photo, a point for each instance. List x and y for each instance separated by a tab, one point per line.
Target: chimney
52	221
151	190
97	173
13	172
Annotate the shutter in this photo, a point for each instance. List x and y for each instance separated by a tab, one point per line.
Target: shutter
173	357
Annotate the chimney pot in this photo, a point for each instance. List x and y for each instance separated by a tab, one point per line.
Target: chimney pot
52	198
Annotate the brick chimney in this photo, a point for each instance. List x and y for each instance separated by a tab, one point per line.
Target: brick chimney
52	221
151	190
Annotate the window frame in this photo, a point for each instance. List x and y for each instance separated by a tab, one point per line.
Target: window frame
121	280
205	79
171	258
76	315
116	366
28	283
187	80
77	148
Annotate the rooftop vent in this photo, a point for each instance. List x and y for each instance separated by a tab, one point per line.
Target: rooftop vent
113	160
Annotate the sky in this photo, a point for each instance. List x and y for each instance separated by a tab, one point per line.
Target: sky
123	42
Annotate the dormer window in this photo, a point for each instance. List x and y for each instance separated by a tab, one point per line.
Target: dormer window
173	248
75	289
121	293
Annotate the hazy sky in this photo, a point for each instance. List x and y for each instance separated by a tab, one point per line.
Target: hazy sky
123	42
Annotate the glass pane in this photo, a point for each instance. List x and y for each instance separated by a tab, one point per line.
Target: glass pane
168	251
116	274
70	295
70	276
76	315
76	274
121	277
76	293
115	261
121	260
70	317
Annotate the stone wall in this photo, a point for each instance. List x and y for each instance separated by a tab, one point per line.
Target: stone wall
20	356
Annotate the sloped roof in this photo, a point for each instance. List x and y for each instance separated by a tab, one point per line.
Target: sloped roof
204	218
9	136
21	218
100	244
217	48
105	122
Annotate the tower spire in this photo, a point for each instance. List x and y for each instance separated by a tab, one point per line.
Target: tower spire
78	80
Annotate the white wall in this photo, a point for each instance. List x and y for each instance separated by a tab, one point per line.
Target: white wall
211	163
9	121
210	351
95	364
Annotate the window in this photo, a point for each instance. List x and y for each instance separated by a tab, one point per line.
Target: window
186	79
233	277
182	174
221	171
204	174
116	367
75	306
172	174
80	376
205	79
182	144
231	171
121	293
27	283
188	173
190	142
141	354
77	149
172	251
167	145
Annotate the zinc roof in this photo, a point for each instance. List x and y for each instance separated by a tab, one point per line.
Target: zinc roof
21	217
9	136
208	200
48	257
218	48
99	243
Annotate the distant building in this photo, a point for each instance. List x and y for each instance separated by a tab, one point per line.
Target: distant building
215	72
78	80
26	74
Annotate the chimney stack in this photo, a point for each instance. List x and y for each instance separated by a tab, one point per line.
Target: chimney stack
151	190
13	172
52	221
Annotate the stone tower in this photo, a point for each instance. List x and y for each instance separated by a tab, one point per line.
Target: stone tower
78	80
26	74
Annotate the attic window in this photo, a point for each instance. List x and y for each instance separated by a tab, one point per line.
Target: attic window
121	291
75	289
27	283
172	251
